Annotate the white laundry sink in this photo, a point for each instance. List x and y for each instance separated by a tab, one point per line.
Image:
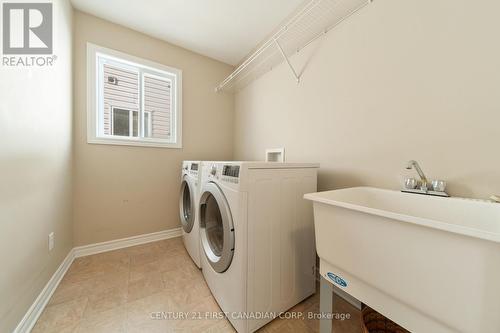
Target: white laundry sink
431	264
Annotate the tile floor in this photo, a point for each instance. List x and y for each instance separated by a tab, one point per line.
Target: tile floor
118	291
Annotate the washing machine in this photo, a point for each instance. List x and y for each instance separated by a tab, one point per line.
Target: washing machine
257	238
188	208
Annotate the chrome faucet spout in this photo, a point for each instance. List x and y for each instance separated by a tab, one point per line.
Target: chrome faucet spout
423	178
423	186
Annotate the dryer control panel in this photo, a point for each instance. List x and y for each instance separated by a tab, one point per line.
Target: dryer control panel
231	170
225	172
230	173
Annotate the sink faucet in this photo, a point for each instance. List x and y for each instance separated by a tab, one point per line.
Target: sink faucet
423	179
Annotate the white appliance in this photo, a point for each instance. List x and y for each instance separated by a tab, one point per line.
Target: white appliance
257	238
188	208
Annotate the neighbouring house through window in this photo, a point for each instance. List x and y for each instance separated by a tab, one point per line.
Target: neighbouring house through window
147	124
132	101
123	122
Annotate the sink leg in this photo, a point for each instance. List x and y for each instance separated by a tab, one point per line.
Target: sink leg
325	306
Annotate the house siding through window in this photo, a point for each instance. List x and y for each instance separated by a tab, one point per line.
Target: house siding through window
123	93
157	101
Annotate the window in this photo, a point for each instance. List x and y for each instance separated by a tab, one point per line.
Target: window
132	101
147	124
124	122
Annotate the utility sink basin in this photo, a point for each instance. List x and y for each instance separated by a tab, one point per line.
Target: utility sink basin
430	264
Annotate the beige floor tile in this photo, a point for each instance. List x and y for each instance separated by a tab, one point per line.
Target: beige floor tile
69	328
68	291
157	250
184	299
155	247
182	278
61	316
96	265
273	326
150	284
81	275
110	280
169	247
138	272
120	257
153	326
106	300
115	262
205	325
204	316
307	304
145	258
173	261
294	326
147	309
126	290
173	243
224	326
109	321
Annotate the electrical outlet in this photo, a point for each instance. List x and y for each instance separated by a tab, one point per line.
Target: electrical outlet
51	241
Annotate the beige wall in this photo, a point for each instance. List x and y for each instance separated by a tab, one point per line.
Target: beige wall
123	191
35	173
399	80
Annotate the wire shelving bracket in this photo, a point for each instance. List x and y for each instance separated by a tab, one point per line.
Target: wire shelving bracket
314	20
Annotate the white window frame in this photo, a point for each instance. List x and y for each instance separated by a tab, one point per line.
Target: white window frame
149	124
130	122
150	68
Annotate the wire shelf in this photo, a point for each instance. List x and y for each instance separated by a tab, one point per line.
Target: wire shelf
312	21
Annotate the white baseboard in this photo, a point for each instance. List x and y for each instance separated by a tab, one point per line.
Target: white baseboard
86	250
26	324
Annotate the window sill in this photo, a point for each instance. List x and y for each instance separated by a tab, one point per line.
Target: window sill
136	143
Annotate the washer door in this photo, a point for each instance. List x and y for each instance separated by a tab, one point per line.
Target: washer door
187	205
216	228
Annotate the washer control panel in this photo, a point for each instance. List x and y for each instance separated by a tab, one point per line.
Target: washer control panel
192	168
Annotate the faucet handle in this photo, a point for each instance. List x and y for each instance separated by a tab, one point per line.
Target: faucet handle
411	183
438	185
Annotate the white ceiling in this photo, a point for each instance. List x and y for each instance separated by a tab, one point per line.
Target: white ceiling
226	30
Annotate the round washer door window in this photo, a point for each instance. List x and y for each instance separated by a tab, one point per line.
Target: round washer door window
216	228
187	205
